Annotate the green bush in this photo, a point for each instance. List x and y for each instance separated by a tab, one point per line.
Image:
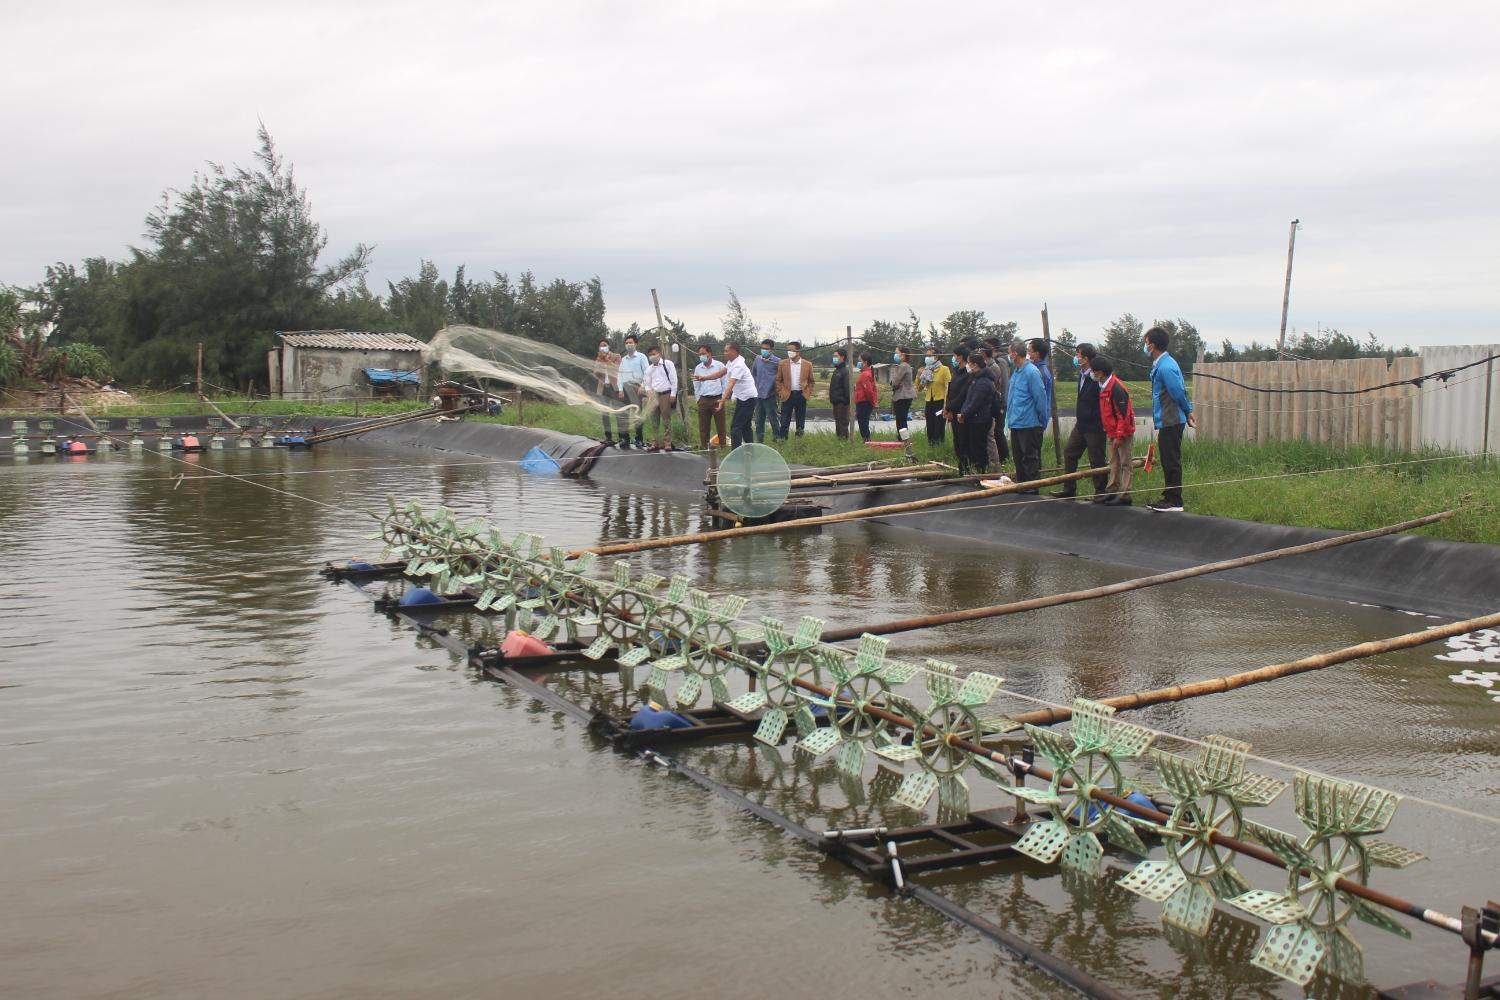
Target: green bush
76	361
10	363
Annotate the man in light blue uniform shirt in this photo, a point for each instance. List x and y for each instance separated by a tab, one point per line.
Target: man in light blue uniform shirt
763	370
632	379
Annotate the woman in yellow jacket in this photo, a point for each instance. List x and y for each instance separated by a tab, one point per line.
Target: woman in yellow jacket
932	383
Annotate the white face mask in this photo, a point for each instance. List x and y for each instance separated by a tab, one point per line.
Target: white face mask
629	348
791	355
703	359
655	360
603	348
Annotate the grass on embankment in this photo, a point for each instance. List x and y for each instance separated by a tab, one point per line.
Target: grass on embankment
1293	483
185	404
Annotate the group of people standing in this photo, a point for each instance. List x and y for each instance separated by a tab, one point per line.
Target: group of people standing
997	400
984	396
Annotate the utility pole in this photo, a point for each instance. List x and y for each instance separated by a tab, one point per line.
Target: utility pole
200	369
1286	292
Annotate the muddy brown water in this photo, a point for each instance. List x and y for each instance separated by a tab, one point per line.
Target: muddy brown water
222	776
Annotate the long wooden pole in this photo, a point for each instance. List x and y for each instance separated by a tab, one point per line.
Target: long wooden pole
1230	682
1125	586
813	522
1052	368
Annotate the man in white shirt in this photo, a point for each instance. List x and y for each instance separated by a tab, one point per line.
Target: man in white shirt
708	386
632	379
741	386
661	384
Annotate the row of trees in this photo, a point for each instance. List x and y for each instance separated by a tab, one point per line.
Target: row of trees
237	255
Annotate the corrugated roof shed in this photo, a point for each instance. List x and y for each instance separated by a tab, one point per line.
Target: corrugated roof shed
350	341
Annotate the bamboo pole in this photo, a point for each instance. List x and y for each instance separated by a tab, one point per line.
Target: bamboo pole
813	522
82	413
1125	586
1230	682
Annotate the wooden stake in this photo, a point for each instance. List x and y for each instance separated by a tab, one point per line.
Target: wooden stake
1051	367
1218	685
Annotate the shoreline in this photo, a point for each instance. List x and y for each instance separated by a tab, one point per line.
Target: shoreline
1411	573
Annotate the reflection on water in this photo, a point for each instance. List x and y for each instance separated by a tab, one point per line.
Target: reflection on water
223	775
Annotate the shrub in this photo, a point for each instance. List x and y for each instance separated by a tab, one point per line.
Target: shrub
76	361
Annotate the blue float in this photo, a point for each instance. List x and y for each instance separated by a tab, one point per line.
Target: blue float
648	717
417	596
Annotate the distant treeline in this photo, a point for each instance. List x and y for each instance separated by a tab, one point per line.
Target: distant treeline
237	255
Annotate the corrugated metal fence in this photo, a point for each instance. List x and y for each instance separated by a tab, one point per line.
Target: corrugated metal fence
1460	415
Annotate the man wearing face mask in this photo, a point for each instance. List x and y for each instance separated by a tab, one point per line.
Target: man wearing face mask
631	378
708	387
794	378
739	386
1026	414
977	416
932	383
661	383
606	390
958	389
764	368
838	393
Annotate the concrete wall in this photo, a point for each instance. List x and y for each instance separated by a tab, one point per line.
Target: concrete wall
331	373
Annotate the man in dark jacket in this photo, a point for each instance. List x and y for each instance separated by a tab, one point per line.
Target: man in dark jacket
838	393
958	389
998	450
977	417
1088	429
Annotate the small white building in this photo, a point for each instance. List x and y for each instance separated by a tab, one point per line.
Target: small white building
335	364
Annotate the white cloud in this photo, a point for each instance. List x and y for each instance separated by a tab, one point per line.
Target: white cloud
833	162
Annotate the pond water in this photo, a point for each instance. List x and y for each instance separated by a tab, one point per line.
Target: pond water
222	775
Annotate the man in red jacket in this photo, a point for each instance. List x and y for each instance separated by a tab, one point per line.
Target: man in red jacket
1118	416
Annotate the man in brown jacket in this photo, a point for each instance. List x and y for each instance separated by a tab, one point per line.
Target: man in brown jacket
794	381
607	388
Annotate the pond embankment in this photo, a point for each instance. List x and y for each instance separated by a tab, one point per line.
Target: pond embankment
1406	572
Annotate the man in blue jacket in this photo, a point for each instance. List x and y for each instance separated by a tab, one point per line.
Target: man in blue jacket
1172	412
1026	413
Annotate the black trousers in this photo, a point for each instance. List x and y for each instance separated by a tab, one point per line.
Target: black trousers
740	428
1079	442
1026	445
902	408
977	438
1169	444
961	444
862	413
795	406
935	422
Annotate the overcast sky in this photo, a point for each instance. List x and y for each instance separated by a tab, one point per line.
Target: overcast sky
834	162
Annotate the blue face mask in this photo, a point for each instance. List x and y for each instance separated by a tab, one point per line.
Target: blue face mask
955	362
838	362
765	352
932	362
858	365
896	357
